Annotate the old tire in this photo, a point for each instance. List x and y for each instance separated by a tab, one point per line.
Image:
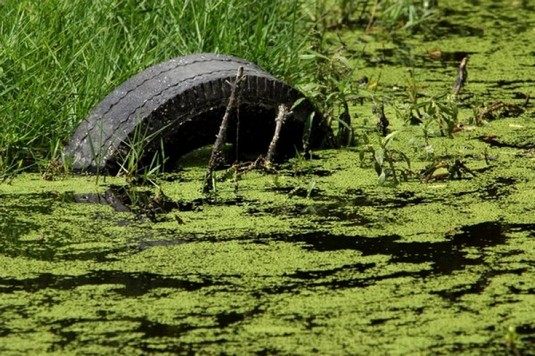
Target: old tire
178	105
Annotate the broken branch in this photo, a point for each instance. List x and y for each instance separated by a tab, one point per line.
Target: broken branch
217	150
279	121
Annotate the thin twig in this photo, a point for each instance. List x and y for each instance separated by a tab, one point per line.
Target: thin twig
509	110
462	74
279	121
217	150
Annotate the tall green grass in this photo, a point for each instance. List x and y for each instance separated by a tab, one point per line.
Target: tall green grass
58	58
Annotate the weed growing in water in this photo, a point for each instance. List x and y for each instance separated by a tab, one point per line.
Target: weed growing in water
385	160
443	112
301	170
440	111
57	166
334	86
512	342
403	14
331	85
9	166
446	169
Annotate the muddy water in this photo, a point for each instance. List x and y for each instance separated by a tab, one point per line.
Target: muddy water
317	258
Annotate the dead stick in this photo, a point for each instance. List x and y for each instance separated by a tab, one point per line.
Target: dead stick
462	74
217	150
279	120
486	112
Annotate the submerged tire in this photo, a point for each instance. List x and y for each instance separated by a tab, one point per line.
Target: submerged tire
177	106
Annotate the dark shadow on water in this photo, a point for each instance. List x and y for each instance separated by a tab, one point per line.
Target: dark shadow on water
454	294
151	340
33	203
358	197
50	249
330	278
446	28
319	274
147	203
527	333
228	318
123	198
500	188
445	256
152	330
344	208
130	284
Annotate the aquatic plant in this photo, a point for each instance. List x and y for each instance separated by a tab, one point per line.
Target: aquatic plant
385	159
333	86
415	107
512	342
134	167
404	14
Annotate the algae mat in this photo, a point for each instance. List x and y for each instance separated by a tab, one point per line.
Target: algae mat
314	259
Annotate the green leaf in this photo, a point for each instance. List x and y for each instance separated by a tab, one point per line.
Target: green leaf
379	157
382	178
297	102
378	169
389	137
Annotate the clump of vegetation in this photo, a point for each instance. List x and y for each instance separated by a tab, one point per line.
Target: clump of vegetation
385	160
404	14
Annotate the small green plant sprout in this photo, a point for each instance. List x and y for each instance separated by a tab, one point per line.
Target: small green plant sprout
427	132
409	109
305	189
96	152
9	167
512	342
440	110
300	164
53	169
56	166
307	131
385	160
345	135
301	171
443	112
133	162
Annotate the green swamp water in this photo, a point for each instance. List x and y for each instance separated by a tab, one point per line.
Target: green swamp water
318	258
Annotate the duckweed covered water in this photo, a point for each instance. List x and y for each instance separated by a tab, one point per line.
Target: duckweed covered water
316	259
